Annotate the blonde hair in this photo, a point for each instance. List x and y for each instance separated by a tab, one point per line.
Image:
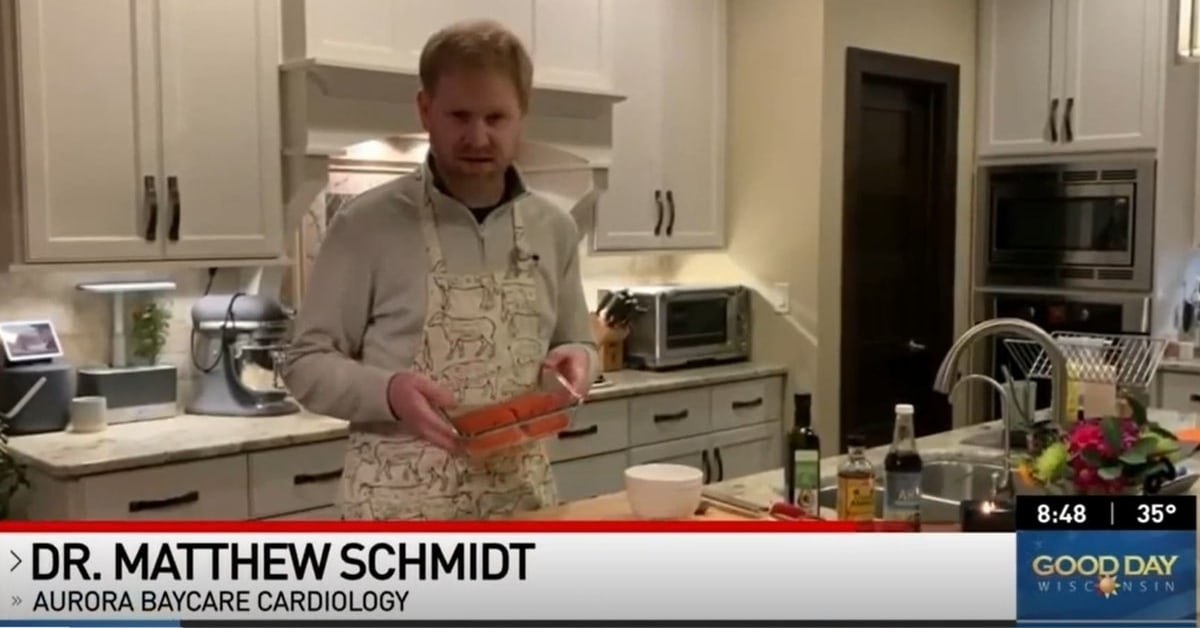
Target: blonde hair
477	45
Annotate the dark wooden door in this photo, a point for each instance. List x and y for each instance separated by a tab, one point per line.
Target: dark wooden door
898	240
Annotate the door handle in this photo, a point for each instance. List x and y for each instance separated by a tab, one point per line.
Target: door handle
1053	119
1067	115
176	208
915	346
151	203
671	206
720	464
658	202
707	468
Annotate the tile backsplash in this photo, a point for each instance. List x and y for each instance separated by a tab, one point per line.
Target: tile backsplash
83	320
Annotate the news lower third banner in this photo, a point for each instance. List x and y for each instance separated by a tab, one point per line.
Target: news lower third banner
500	574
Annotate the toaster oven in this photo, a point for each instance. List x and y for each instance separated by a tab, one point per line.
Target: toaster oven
687	325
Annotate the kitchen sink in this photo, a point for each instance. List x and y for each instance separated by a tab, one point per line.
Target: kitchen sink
944	484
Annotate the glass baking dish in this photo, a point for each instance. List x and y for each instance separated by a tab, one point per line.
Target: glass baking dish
538	414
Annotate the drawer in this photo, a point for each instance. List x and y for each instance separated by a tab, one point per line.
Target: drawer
745	403
206	489
293	479
596	428
325	513
582	478
1179	391
692	451
666	416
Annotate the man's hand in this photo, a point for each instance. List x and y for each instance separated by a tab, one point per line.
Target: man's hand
571	361
415	400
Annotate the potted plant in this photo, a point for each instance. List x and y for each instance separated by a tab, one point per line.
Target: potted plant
151	322
1108	455
12	474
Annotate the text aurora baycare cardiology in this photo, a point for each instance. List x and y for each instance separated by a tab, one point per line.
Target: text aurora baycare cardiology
215	563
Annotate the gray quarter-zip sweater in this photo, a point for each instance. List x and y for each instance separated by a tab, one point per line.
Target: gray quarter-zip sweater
363	312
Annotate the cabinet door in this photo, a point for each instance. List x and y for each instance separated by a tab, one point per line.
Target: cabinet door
1020	76
220	116
748	450
693	122
1113	74
89	104
391	33
573	43
631	214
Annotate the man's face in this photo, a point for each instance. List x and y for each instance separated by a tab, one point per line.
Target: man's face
474	122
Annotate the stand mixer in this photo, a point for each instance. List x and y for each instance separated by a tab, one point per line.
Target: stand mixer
242	342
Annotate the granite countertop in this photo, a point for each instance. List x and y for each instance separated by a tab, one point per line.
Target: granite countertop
1173	365
192	437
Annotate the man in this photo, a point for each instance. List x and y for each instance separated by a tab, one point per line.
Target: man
448	288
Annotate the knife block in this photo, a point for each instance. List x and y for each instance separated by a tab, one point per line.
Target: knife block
610	344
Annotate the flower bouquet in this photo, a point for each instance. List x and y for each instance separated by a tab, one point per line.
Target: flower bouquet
1105	455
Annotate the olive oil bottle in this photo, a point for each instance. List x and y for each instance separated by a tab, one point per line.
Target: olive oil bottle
856	483
802	466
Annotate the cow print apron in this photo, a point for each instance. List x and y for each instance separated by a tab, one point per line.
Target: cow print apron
482	341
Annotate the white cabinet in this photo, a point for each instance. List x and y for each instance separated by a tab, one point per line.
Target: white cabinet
666	185
1066	76
143	130
571	41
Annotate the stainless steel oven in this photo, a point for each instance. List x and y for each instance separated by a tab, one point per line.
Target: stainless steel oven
1097	313
682	325
1077	225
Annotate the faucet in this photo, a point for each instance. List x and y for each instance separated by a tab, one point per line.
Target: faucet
945	382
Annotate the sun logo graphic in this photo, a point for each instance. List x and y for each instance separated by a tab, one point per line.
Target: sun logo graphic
1107	585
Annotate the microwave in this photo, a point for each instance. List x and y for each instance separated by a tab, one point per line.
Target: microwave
1071	224
688	325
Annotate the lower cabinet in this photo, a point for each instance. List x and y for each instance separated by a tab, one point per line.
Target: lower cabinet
722	455
1177	391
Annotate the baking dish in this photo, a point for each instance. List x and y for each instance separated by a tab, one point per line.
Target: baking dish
540	413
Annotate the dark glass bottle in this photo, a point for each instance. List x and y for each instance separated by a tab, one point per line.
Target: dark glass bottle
902	472
802	464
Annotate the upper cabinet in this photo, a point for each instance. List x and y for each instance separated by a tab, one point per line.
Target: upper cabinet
571	41
666	185
1066	76
666	178
139	131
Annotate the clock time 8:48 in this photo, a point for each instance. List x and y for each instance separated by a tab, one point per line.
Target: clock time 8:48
1067	513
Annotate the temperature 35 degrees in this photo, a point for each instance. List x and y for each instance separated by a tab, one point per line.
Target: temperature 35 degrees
1154	513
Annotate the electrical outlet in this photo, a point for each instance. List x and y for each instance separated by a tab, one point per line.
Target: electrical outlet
783	297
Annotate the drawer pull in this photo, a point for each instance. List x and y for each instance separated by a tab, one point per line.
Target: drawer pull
314	478
140	505
1194	397
676	416
586	431
753	403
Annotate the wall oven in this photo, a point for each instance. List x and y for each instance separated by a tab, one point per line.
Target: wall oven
1069	225
1082	313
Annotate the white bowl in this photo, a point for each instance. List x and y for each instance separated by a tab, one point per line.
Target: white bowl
663	491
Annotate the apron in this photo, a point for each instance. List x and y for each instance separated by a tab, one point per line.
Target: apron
482	340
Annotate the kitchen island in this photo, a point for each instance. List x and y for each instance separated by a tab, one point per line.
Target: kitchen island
945	448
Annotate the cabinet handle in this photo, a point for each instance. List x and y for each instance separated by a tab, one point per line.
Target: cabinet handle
753	403
704	464
315	478
720	464
1067	115
658	202
190	497
665	418
671	206
151	202
1194	397
586	431
1054	120
176	208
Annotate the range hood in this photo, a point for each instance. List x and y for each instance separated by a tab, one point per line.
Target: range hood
338	113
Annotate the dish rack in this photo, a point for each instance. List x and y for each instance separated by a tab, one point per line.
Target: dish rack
1122	360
